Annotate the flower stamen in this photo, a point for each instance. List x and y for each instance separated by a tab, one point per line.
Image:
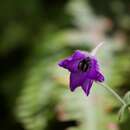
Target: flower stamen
84	65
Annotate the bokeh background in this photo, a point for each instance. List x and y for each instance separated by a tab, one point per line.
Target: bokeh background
34	36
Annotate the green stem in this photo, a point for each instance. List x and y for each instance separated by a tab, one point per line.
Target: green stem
113	92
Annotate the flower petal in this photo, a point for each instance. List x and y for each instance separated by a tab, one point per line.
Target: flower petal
76	79
86	86
71	63
94	73
100	77
78	55
64	63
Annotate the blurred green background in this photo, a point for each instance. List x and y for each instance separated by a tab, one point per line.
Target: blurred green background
34	36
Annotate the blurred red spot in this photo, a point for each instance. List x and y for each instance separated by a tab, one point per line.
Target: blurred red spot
113	126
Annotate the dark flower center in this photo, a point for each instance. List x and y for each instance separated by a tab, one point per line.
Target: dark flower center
84	64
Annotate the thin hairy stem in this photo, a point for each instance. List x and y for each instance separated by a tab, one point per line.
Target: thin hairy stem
113	93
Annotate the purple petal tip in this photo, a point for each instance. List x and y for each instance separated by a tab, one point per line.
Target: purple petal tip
60	63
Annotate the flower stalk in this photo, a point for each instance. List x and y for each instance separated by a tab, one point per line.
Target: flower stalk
113	93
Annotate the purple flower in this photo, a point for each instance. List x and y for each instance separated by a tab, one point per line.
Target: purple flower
84	69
